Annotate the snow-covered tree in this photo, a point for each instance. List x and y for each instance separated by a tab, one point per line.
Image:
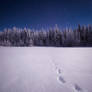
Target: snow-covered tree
82	36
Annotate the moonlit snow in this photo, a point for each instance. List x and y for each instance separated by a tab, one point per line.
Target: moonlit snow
45	69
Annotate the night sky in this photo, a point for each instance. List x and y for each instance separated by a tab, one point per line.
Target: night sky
44	13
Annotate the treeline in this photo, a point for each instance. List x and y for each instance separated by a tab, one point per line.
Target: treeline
82	36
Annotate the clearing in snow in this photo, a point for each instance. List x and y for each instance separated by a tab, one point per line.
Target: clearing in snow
45	69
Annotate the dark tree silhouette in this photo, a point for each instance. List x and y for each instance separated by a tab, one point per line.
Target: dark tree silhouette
82	36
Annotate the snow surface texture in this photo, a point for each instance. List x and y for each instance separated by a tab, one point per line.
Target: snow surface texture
40	69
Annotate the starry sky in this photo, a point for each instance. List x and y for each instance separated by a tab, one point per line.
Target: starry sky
45	13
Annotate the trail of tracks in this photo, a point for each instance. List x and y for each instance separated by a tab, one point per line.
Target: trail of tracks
60	78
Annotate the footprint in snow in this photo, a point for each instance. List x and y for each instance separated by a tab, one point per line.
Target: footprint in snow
61	80
59	71
60	77
77	88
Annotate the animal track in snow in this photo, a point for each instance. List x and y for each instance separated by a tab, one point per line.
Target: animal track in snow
61	79
77	88
59	71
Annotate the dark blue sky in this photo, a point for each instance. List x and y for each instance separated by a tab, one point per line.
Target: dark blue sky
44	13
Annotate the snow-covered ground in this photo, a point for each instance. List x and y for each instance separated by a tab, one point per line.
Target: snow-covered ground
41	69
